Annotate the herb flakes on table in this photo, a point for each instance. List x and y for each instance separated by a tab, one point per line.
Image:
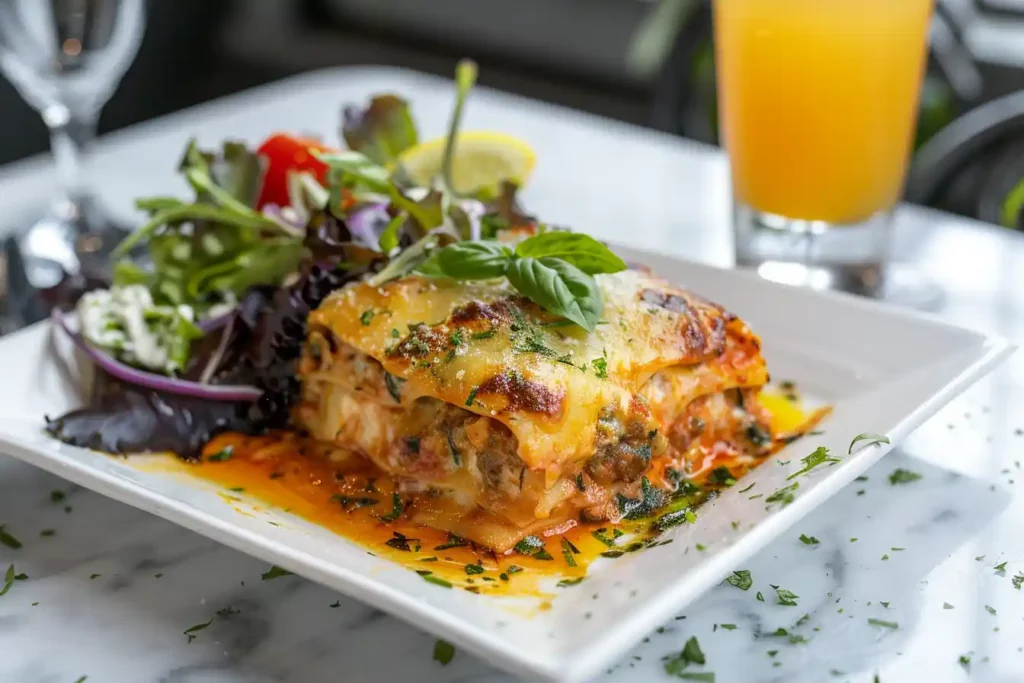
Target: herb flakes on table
443	652
740	579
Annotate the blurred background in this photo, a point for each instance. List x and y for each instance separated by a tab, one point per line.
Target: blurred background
646	62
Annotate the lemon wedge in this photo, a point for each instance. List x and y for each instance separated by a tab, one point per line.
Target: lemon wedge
482	161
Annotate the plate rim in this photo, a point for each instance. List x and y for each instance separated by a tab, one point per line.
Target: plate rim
595	655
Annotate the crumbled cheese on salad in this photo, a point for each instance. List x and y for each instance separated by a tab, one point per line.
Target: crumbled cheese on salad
125	322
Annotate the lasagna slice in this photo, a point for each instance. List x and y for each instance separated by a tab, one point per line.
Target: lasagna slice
500	420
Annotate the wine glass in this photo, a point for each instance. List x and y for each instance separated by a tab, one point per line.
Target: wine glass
66	57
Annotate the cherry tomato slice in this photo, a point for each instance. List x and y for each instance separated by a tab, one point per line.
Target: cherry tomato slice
285	153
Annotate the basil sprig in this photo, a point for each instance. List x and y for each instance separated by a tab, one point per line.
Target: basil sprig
552	269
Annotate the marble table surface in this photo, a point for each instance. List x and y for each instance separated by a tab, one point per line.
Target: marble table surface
111	590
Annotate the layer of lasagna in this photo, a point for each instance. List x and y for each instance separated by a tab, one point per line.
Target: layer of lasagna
499	420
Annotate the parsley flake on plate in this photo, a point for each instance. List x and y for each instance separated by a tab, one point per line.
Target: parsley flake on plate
740	579
786	598
443	652
690	654
820	456
808	540
883	623
902	476
274	572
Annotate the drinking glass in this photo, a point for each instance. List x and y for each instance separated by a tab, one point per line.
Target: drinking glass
817	105
66	57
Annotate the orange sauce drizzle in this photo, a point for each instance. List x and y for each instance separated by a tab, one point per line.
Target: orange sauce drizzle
355	500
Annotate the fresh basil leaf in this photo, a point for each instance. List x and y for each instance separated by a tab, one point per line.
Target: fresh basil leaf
474	260
582	251
871	439
382	131
560	288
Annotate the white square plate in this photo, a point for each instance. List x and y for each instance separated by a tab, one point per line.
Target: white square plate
884	371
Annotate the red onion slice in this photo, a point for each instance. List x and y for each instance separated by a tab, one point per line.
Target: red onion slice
171	385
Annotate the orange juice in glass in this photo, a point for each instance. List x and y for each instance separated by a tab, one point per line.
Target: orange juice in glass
818	103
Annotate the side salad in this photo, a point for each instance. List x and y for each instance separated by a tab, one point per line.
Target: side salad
204	319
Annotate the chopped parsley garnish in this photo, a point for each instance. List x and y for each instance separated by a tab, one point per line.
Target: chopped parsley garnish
366	317
690	654
568	550
703	676
741	579
222	455
57	496
192	629
808	540
760	598
46	533
8	540
1017	580
453	542
542	554
722	476
443	652
784	495
486	334
902	476
819	457
394	386
452	447
335	604
472	396
9	578
226	612
600	367
671	519
965	661
564	583
477	568
399	541
990	609
728	627
396	508
275	572
637	508
612	553
1000	567
350	502
744	490
871	439
456	338
436	580
528	545
946	605
787	598
883	623
94	576
599	535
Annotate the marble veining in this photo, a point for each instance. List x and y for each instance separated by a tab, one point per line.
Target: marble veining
116	589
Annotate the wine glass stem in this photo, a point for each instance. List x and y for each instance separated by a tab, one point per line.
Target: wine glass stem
71	136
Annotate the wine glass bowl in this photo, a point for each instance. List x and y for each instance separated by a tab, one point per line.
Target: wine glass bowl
66	58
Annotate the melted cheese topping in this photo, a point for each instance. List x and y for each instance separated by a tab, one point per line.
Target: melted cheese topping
482	347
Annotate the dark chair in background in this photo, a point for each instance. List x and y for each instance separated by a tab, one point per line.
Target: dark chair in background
975	166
